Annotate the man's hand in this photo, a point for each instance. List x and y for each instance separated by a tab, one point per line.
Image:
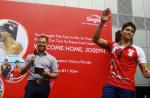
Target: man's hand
51	75
145	70
46	75
105	15
32	60
147	74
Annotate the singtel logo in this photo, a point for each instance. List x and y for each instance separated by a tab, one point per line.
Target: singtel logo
92	19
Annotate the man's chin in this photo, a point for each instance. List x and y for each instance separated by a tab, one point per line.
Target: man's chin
128	37
41	49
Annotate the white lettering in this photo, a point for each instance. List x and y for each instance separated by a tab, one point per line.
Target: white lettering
73	49
95	50
55	47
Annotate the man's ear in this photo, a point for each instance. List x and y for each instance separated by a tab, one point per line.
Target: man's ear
121	32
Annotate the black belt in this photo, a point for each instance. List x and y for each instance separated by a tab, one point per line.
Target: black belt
38	81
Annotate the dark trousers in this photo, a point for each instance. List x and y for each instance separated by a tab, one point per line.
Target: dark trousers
110	91
37	90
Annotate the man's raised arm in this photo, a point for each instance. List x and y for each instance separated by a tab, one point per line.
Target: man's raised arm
97	36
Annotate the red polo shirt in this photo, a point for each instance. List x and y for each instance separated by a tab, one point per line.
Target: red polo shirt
123	64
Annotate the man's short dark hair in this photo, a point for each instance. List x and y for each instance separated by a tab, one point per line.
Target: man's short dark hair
118	36
43	36
17	61
129	24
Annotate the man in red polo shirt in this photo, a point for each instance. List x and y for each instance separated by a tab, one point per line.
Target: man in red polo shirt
124	59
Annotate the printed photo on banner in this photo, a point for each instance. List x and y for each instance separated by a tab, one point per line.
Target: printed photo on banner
13	38
1	88
10	68
13	45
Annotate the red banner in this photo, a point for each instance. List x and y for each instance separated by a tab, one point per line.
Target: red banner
83	66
